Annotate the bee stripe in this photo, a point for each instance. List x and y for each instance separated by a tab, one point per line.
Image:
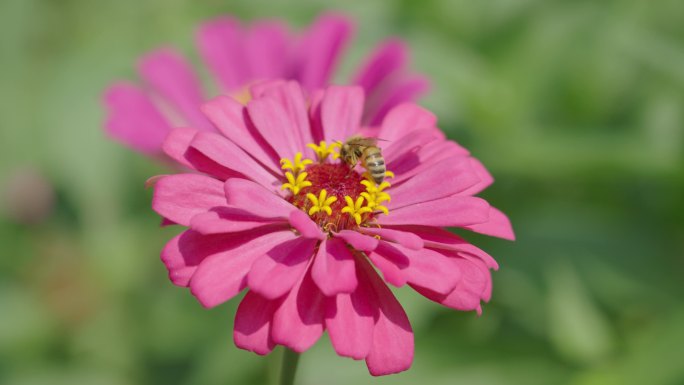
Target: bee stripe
376	166
377	156
378	178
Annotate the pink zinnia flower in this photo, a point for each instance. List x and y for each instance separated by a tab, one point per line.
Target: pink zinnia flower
238	56
274	211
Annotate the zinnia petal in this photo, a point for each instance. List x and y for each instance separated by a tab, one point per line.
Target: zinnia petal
173	78
406	239
421	159
404	119
306	227
274	123
177	143
392	346
350	320
182	196
133	119
320	49
391	262
444	178
424	267
252	330
268	51
221	45
430	269
437	238
497	225
456	211
358	240
255	199
388	57
298	322
341	110
278	270
228	159
223	275
333	268
470	290
486	178
227	115
402	91
181	257
221	220
291	96
405	149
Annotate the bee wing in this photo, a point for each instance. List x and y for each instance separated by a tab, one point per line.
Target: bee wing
367	142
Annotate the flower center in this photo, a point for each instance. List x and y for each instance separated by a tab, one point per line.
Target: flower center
337	180
335	195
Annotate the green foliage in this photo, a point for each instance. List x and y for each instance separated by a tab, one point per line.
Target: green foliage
575	106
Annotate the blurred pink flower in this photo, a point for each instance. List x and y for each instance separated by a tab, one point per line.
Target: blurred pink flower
271	209
140	116
27	196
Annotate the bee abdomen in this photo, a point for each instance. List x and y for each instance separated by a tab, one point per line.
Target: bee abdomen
375	165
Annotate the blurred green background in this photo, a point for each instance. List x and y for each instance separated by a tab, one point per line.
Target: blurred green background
576	107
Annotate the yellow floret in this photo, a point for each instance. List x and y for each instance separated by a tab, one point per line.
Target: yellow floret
375	195
373	202
323	150
298	165
321	203
355	209
296	184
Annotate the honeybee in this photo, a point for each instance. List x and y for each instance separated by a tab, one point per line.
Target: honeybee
365	150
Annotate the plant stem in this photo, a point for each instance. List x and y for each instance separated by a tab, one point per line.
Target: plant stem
289	368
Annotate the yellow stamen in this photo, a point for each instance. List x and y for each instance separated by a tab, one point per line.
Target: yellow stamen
355	209
377	191
296	184
375	195
371	185
321	203
296	166
373	202
322	150
381	208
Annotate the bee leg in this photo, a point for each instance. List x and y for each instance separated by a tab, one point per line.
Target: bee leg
351	170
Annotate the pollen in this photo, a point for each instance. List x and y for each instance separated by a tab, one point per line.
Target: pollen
334	195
